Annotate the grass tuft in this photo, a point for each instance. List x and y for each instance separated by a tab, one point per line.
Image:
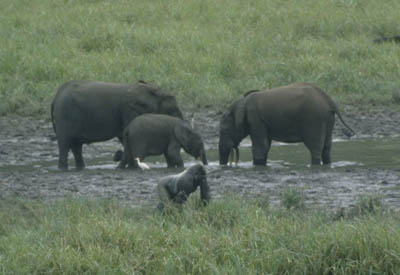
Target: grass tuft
293	199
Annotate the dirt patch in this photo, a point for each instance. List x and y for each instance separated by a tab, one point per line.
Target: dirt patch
28	157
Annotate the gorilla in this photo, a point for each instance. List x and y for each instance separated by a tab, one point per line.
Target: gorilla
177	188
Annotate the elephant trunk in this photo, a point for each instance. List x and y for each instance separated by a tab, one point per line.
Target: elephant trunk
231	156
234	157
204	158
237	155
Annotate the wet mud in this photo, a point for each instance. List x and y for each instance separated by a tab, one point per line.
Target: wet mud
28	160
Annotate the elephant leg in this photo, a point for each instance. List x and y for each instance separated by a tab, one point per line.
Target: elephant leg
132	165
129	153
260	140
260	146
314	141
122	163
124	160
326	151
173	161
77	151
173	156
129	159
260	153
63	149
315	151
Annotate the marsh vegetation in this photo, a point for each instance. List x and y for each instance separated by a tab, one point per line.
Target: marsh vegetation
205	52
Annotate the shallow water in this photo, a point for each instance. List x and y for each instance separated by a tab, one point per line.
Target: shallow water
360	166
370	153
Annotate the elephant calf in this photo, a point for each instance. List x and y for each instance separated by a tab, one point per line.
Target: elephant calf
155	134
177	188
300	112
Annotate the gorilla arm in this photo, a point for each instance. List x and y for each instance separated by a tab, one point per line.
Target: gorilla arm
166	192
204	192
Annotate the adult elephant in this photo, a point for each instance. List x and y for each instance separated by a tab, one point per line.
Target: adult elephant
87	112
299	112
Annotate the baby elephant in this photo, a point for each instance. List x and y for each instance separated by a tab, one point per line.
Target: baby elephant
155	134
177	188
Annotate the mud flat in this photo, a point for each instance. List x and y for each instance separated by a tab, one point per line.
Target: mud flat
367	164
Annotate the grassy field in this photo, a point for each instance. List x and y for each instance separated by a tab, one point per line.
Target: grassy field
227	237
205	52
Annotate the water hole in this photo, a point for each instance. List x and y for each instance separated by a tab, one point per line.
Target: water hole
383	153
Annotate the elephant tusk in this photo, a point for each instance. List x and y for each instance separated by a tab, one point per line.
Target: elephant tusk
237	156
231	156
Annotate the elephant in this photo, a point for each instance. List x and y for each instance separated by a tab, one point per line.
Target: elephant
177	188
156	134
84	112
300	112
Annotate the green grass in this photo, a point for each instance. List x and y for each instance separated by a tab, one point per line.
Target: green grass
204	52
227	237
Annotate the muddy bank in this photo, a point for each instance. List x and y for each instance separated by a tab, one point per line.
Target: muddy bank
329	189
28	157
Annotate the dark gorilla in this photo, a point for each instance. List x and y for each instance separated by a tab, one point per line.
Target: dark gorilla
177	188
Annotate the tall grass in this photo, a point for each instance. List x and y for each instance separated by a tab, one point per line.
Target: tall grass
226	237
202	51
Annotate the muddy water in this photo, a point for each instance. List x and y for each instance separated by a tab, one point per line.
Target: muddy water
368	153
360	166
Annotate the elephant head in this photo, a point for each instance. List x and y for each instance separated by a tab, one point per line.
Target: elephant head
232	131
146	98
191	142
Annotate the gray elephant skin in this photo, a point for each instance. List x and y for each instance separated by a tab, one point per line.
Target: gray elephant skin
299	112
156	134
84	112
177	188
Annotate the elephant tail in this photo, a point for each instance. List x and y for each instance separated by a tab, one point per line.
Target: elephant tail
348	132
52	117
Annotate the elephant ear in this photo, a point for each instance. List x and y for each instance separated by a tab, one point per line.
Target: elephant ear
239	110
185	136
239	113
142	99
147	98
